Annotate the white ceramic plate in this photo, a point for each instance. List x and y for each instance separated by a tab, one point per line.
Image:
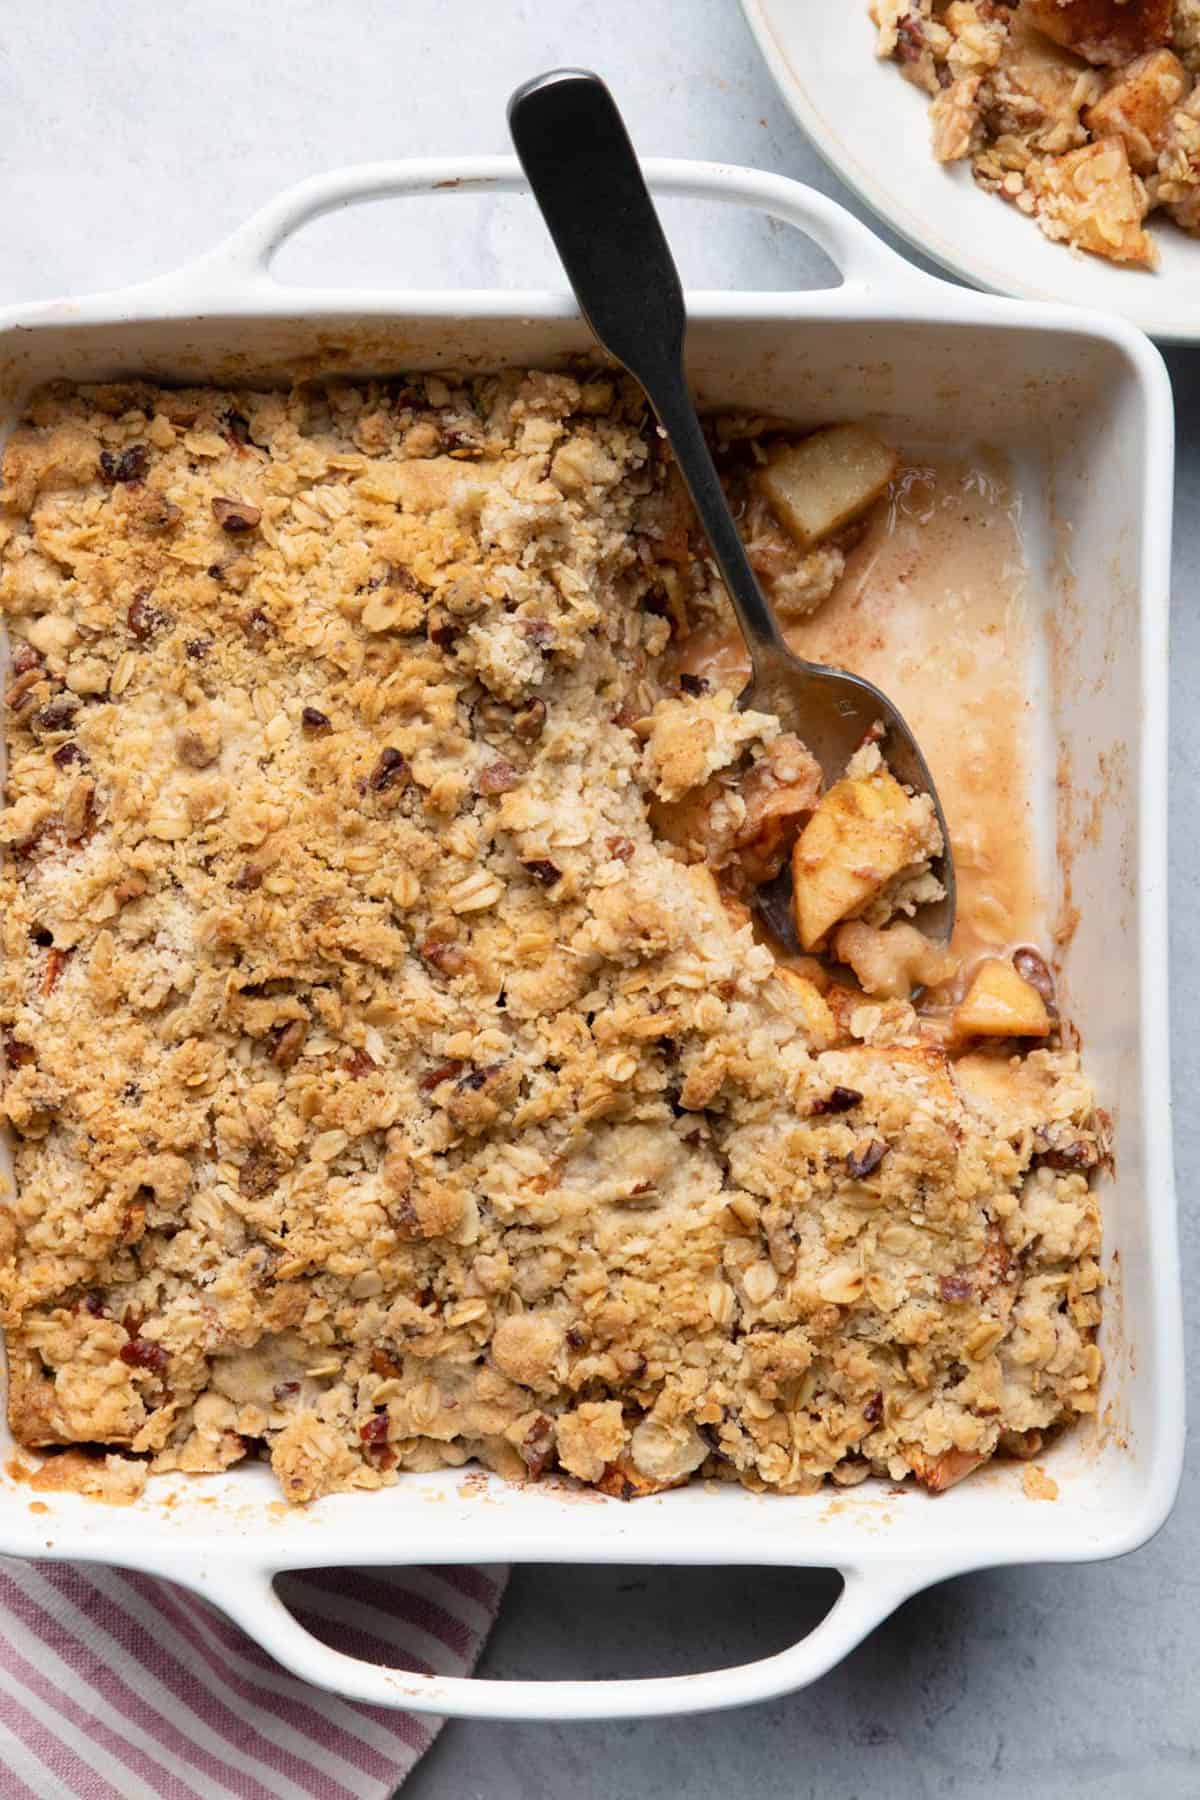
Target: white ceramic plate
872	128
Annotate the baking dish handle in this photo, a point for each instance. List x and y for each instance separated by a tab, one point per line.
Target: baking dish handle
240	267
866	1600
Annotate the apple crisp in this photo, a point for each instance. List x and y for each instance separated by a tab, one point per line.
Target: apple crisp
395	1071
1082	113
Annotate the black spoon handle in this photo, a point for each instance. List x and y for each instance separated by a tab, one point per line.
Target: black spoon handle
585	176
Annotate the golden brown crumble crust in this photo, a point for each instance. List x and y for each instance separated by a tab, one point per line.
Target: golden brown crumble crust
385	1087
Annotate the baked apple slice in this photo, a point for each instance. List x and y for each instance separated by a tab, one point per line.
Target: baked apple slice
865	831
1138	105
1102	31
1000	1003
826	481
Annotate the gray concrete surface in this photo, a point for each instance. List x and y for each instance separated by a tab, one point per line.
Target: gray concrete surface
132	135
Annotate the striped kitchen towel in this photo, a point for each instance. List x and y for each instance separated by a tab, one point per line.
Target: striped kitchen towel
115	1686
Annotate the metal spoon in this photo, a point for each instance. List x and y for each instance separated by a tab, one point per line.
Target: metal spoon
584	173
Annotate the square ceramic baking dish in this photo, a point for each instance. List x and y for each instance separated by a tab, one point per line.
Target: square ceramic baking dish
1081	405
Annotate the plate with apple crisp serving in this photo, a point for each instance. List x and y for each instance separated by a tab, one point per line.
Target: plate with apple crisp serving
397	1072
1083	116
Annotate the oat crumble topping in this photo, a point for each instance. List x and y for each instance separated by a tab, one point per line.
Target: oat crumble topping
395	1072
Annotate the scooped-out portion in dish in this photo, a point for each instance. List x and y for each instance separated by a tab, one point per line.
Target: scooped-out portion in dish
396	1072
1083	113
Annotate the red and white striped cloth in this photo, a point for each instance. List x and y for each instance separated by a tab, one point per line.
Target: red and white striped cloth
115	1686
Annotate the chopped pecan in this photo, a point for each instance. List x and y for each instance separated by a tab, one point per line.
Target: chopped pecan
79	810
619	848
358	1064
616	1482
55	963
837	1100
289	1041
544	871
910	40
391	769
144	619
623	1480
1072	1156
496	778
20	693
375	1431
24	658
236	516
127	465
529	723
433	1078
537	1446
144	1353
1032	967
449	958
955	1287
59	715
861	1163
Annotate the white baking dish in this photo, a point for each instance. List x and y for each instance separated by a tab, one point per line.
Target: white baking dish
1083	406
